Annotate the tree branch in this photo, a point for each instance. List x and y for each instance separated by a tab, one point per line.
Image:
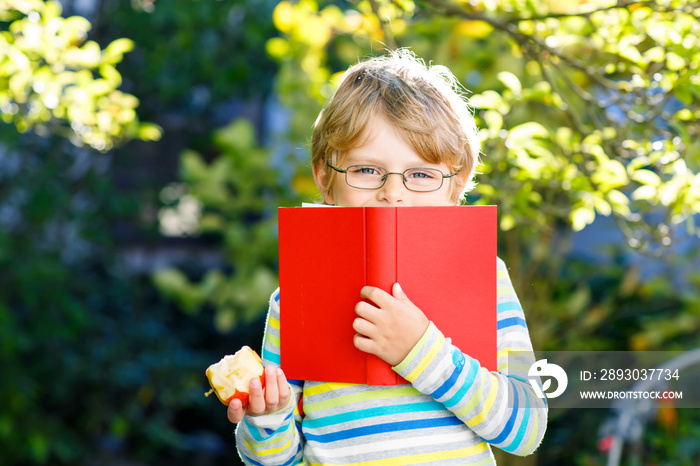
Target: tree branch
587	14
522	39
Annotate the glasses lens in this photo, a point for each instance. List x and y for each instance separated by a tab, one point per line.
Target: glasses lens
365	176
423	179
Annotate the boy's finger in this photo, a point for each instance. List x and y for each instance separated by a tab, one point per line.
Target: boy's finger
235	411
271	389
398	293
283	387
367	311
374	294
364	344
364	327
256	401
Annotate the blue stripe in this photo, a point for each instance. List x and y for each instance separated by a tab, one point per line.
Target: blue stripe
274	358
373	412
509	306
510	322
296	382
517	377
468	382
383	428
252	461
511	421
255	432
523	427
449	383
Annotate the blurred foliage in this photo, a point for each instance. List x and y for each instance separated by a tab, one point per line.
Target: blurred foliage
586	107
94	362
610	307
205	53
97	367
240	192
54	80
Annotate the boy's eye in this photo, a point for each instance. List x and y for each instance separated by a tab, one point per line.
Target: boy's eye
421	174
365	170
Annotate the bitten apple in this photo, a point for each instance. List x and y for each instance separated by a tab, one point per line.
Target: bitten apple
230	378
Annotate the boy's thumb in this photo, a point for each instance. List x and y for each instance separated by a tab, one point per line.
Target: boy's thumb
398	293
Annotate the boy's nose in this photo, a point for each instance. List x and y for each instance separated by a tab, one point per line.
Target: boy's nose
394	191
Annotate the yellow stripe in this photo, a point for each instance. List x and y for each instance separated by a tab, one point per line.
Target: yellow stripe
514	368
416	349
479	418
501	274
325	388
504	352
504	290
427	359
473	401
502	356
270	451
273	340
533	432
274	323
359	397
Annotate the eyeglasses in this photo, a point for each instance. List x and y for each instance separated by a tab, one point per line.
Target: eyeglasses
371	177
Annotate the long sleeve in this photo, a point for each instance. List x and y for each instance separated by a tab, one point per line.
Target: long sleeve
451	413
501	406
273	439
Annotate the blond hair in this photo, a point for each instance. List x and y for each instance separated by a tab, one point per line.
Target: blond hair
424	104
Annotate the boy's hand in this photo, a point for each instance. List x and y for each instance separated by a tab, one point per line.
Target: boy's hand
391	327
275	396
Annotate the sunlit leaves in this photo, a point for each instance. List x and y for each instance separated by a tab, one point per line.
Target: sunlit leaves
585	108
52	79
511	82
490	100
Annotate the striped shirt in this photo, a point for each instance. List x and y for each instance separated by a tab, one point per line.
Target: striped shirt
452	411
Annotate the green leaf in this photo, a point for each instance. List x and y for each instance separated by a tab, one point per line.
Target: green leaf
581	217
527	131
115	51
511	81
507	222
675	62
655	54
149	132
490	100
237	136
646	177
646	193
494	122
192	166
174	284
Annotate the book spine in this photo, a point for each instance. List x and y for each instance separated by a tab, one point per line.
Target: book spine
380	235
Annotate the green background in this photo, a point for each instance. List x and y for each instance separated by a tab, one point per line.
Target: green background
145	146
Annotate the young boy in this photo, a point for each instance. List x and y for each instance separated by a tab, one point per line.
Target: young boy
396	133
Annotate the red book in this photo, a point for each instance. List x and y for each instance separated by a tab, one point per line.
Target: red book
443	257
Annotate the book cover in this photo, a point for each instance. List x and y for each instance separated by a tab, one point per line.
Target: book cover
443	257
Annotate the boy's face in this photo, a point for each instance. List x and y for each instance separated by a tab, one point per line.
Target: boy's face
383	148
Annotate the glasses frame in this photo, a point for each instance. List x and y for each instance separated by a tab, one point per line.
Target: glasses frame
403	176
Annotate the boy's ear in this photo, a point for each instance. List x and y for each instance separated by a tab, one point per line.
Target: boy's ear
321	179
